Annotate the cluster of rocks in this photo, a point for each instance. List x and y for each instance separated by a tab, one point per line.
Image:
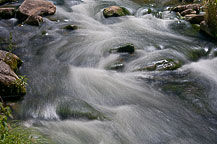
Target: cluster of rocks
191	13
29	12
10	84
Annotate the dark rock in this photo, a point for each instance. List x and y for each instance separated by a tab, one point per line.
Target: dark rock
70	27
162	65
181	8
32	10
7	13
188	11
6	1
10	84
34	20
195	19
115	11
205	29
128	48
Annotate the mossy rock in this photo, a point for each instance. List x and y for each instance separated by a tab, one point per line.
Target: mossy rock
12	90
70	27
7	13
196	54
12	60
115	11
128	48
78	109
162	65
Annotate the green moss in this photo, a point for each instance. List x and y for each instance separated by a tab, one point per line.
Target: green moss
13	61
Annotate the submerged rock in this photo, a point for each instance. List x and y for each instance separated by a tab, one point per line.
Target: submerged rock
115	11
162	65
116	66
128	48
196	54
70	27
31	11
7	13
77	109
10	84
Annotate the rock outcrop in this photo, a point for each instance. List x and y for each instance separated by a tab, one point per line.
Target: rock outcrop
31	11
10	84
115	11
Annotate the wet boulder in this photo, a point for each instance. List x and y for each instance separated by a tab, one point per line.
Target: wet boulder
11	86
31	10
7	13
195	19
162	65
115	11
128	48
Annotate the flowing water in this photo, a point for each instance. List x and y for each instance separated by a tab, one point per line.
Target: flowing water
74	99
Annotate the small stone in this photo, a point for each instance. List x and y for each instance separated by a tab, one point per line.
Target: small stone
70	27
115	11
